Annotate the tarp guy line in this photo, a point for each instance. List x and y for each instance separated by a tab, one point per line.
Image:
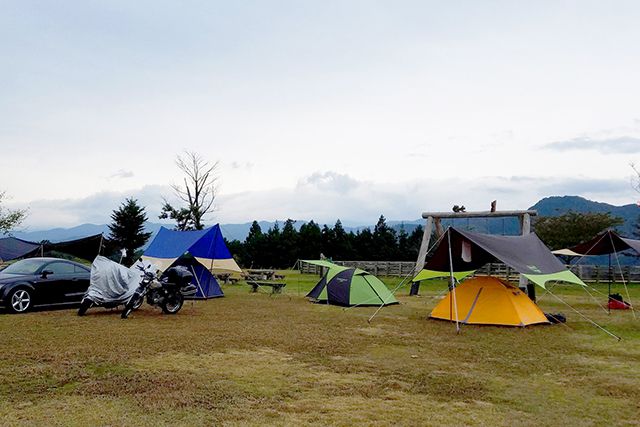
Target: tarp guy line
623	281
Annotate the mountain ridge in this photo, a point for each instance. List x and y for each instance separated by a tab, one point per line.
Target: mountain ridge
548	206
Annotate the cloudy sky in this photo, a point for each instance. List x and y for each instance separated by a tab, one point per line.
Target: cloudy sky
317	109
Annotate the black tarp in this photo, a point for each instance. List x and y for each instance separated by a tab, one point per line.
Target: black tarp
606	243
525	254
12	248
86	248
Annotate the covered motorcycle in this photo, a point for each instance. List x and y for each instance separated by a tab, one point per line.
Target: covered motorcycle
167	293
111	284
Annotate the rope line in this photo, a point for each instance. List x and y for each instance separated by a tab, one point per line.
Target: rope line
585	317
624	282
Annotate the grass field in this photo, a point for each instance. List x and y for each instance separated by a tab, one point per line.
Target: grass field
252	359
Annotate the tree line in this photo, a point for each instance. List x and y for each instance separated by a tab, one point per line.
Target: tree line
281	247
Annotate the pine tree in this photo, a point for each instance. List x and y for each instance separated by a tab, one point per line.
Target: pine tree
363	245
289	244
310	241
342	245
271	254
127	228
254	245
403	244
328	240
384	241
414	241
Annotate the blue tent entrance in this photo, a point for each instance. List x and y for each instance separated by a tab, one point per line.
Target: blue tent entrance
203	252
205	282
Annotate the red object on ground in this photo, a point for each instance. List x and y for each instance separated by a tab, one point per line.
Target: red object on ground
618	305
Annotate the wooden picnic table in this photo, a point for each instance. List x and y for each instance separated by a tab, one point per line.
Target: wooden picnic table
276	287
225	278
260	274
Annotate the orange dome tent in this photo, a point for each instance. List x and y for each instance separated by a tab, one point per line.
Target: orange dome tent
487	300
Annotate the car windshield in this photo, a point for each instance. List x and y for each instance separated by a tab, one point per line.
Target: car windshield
25	266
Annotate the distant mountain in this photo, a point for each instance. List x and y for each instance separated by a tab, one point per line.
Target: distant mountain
549	206
63	234
559	205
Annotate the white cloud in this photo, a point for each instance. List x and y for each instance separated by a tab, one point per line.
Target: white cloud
122	173
327	196
95	209
613	145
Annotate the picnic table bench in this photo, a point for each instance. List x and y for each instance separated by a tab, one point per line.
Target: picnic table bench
276	287
260	274
226	278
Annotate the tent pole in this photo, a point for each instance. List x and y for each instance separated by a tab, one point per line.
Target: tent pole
198	282
624	282
609	292
586	253
452	282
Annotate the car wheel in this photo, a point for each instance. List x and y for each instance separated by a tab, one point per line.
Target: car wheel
20	300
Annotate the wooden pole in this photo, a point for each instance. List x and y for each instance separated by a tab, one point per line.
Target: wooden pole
525	229
433	219
422	254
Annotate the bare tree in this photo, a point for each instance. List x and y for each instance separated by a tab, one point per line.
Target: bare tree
9	219
635	181
198	191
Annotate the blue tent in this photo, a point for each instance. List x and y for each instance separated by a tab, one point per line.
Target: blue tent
12	248
202	252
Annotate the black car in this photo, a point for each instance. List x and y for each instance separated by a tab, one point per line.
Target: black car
42	281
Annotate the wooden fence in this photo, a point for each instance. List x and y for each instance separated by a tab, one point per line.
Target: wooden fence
588	273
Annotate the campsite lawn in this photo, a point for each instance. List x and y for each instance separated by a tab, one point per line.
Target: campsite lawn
252	359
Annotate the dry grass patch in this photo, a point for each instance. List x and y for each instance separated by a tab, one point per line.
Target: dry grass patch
251	359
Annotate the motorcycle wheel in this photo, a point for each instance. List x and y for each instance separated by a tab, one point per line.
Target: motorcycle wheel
84	306
172	304
134	302
138	303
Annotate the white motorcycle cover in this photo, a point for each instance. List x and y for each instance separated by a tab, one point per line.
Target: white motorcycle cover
112	282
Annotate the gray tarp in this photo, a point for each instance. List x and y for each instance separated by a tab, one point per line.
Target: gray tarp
112	282
470	251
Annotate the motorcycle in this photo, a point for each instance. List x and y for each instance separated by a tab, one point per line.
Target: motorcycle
111	284
168	292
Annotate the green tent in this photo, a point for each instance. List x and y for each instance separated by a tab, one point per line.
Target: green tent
349	286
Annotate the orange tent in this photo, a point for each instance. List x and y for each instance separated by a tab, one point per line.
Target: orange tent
487	300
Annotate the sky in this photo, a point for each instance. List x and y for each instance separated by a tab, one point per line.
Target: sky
317	109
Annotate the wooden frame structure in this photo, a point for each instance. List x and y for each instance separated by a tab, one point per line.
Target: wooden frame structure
433	220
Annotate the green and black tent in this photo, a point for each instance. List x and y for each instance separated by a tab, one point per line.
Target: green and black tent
348	286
